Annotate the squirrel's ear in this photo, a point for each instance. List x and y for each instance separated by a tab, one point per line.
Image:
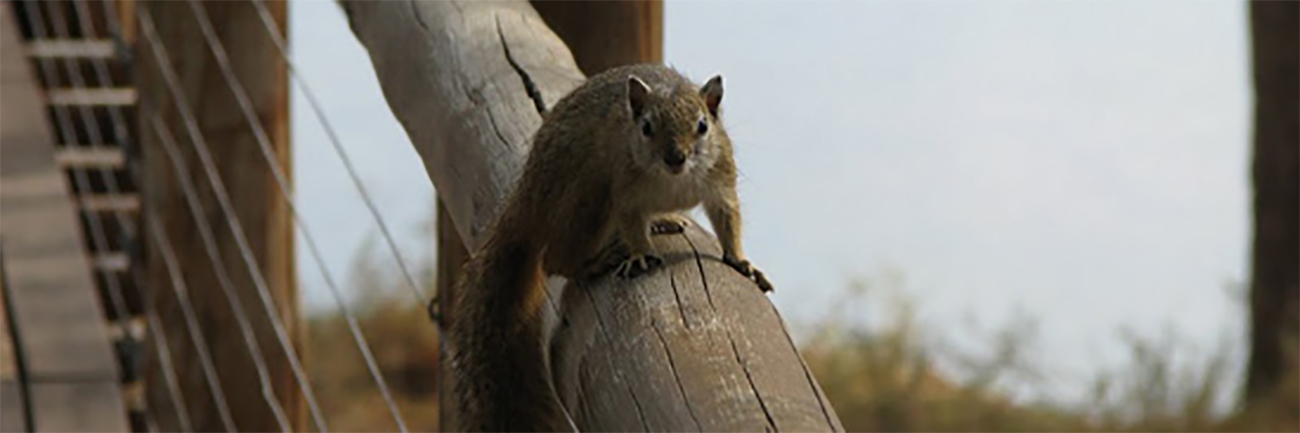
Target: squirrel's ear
712	93
636	94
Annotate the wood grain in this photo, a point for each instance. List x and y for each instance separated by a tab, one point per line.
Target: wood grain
76	406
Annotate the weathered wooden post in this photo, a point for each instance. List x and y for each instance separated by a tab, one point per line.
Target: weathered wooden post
1275	171
694	346
606	34
256	200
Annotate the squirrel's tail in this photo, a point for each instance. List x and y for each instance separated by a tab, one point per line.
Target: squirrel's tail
497	343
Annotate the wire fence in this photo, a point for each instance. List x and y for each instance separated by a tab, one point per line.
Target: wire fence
72	118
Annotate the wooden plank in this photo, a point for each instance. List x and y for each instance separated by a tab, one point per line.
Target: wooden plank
95	96
111	262
109	203
8	359
71	48
135	326
255	197
53	299
469	99
90	406
49	277
87	158
13	409
56	304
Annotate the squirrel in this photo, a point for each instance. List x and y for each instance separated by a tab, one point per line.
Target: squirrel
613	162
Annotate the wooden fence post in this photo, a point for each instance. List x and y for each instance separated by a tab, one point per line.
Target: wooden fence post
1275	171
256	199
606	34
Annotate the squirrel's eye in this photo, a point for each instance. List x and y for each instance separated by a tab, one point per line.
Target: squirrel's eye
646	130
702	127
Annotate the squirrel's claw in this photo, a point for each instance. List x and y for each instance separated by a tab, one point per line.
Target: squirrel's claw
749	271
637	265
669	225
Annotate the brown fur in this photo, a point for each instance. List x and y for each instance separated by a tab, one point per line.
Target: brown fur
591	178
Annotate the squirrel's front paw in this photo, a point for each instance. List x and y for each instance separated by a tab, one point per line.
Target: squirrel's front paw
637	265
749	271
669	224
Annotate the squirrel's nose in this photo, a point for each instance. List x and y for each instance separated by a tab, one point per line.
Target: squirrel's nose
675	158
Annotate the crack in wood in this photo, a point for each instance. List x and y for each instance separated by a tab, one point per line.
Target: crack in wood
640	414
704	280
744	366
415	12
600	328
681	309
492	119
474	96
699	263
672	365
529	86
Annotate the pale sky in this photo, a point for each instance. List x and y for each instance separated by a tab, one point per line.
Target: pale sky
1082	162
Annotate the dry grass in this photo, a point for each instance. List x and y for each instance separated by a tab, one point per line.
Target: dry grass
885	378
405	347
882	377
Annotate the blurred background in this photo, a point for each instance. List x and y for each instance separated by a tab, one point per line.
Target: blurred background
981	215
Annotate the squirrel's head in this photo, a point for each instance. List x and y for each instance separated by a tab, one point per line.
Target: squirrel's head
678	130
